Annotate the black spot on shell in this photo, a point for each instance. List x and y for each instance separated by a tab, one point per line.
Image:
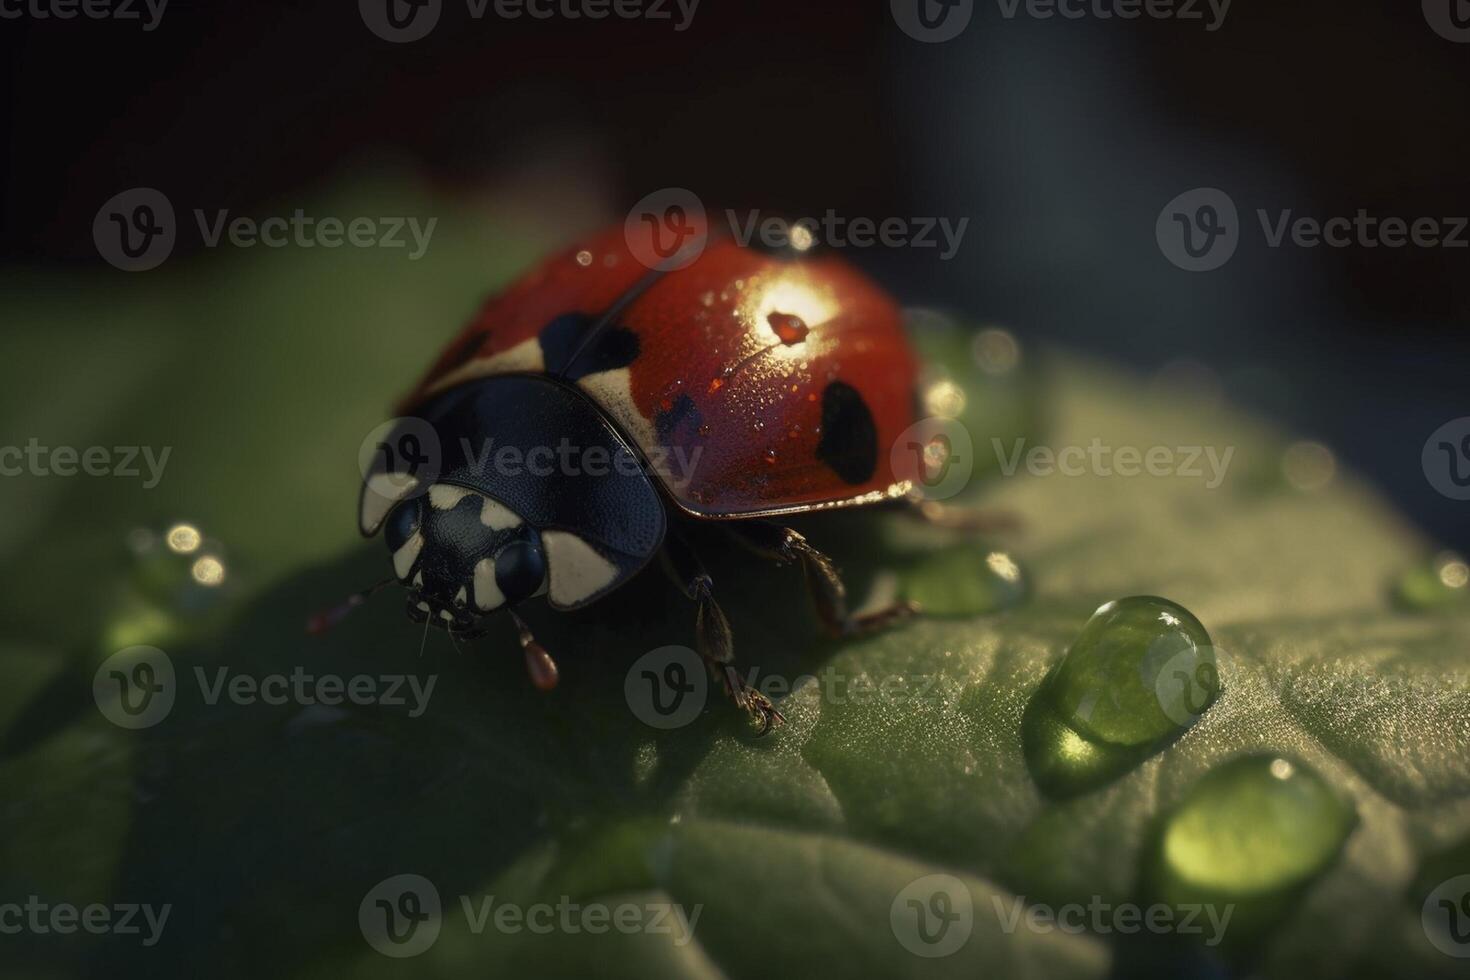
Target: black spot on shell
849	442
680	423
615	347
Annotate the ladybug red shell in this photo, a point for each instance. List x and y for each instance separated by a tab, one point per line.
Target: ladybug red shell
540	454
790	376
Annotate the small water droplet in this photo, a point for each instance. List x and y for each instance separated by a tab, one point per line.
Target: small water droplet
708	298
703	430
770	457
965	581
584	258
757	425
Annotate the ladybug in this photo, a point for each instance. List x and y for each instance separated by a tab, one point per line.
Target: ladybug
568	434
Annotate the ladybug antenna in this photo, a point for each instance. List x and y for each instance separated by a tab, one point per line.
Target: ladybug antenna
539	664
318	623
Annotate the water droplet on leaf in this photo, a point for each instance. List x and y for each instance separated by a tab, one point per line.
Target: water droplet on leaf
1142	671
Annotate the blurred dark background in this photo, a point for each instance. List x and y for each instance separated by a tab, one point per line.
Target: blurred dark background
1060	140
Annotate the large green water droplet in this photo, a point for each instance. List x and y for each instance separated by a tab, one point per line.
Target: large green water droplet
1142	670
1250	833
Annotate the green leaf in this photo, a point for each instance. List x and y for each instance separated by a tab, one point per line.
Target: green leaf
266	826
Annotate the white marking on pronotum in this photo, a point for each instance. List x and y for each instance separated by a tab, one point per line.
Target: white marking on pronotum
418	579
404	557
523	357
487	591
443	496
498	517
461	596
379	494
577	571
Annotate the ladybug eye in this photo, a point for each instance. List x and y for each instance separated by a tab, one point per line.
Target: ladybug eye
520	568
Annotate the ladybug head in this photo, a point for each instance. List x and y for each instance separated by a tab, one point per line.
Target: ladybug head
462	555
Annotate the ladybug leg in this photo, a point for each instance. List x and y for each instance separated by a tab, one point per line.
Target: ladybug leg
966	519
823	581
713	639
